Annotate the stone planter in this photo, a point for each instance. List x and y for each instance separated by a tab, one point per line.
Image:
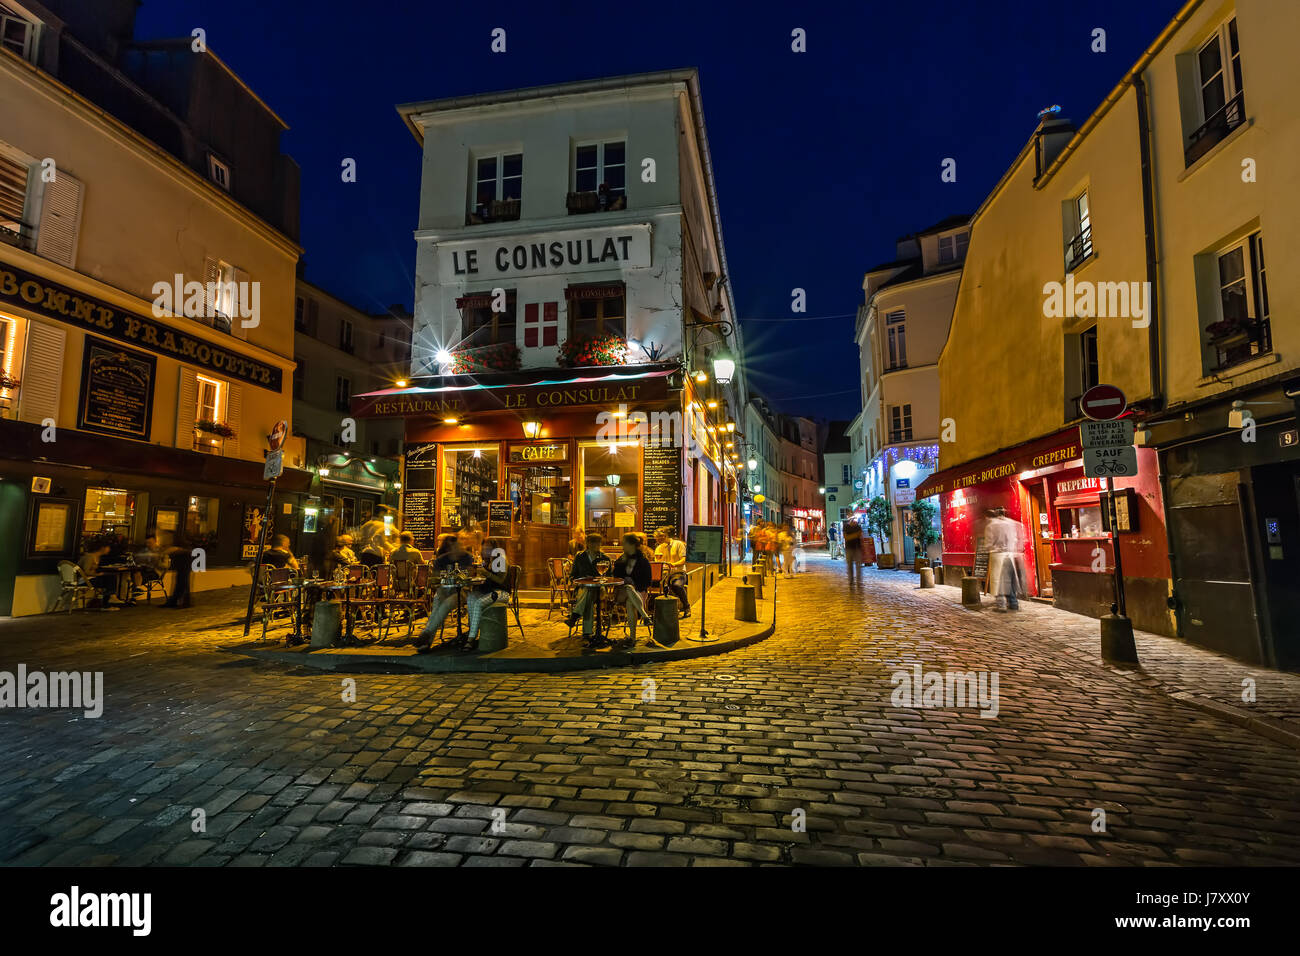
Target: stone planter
919	563
884	561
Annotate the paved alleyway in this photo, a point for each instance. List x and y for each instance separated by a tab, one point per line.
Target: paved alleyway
522	769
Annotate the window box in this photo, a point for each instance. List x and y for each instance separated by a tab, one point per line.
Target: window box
581	203
1237	342
220	429
606	349
503	357
498	210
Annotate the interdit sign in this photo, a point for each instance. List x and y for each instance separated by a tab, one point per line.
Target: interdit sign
551	253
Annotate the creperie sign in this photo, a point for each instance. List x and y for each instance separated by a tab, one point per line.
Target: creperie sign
1004	469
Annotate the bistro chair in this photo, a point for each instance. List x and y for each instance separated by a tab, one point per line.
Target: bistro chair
402	576
512	586
657	577
414	598
73	586
149	583
277	595
561	592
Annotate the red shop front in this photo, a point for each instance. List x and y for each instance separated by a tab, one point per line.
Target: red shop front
1068	546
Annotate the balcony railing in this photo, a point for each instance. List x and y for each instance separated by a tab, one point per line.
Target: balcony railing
897	435
1078	249
1237	342
1203	139
20	237
498	210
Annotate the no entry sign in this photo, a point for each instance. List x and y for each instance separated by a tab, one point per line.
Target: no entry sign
1101	403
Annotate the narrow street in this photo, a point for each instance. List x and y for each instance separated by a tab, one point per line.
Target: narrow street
786	752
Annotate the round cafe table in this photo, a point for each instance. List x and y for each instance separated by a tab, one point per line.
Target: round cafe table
597	584
462	582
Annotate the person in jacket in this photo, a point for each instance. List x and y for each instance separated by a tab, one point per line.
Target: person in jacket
633	568
591	562
375	538
853	550
449	558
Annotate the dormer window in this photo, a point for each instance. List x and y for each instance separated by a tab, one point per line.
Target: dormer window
219	172
19	31
953	248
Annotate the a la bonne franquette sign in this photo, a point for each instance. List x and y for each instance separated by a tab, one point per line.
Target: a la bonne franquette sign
580	250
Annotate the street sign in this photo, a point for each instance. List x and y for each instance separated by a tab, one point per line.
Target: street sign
274	466
1102	403
904	496
278	435
1107	434
1104	462
1289	438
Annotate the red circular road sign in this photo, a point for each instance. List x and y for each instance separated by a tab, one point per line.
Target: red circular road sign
278	434
1101	403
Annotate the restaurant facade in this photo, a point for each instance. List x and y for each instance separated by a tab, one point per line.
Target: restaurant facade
572	316
125	408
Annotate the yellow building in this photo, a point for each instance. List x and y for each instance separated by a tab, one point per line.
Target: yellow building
128	406
1129	251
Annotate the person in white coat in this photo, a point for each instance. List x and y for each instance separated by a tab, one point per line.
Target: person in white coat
1005	539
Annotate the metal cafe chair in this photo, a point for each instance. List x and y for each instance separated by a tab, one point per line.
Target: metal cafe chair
74	586
414	598
561	592
277	595
512	587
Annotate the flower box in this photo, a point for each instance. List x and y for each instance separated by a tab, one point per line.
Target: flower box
596	350
488	358
220	429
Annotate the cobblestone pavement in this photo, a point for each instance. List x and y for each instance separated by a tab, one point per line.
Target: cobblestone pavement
518	769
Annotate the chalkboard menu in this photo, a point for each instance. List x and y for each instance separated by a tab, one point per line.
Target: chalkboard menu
116	390
500	517
981	569
661	494
420	518
421	466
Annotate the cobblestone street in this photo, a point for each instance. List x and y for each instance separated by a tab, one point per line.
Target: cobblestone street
520	769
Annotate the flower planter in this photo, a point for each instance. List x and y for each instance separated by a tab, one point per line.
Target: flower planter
919	563
885	561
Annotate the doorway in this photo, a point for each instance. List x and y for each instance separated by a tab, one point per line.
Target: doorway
1040	527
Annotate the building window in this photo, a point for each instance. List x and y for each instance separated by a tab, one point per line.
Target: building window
545	332
469	482
1089	367
895	331
299	379
342	394
345	336
299	313
900	423
219	172
592	317
201	518
109	512
1221	99
1078	228
14	178
963	240
498	187
480	325
208	411
18	33
599	177
1241	327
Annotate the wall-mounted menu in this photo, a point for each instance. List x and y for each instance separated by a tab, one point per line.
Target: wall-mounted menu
661	501
419	517
501	518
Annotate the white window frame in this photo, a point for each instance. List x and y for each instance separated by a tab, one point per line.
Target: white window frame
600	166
499	157
1079	221
219	172
35	27
201	408
896	339
1251	247
1222	37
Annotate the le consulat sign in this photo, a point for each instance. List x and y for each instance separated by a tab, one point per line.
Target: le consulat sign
566	251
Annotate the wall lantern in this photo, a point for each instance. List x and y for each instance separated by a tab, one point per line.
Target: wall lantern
752	464
613	479
532	429
724	367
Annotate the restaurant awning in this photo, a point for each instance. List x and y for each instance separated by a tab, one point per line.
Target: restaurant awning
529	390
1008	463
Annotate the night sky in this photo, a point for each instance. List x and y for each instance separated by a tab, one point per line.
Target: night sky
822	159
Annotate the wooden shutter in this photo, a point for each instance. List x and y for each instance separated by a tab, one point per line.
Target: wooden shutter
42	377
313	313
56	235
187	400
234	418
237	321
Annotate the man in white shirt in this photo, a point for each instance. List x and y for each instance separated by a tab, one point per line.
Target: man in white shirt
1005	541
672	552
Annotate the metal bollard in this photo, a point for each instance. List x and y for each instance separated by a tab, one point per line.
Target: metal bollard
927	577
970	591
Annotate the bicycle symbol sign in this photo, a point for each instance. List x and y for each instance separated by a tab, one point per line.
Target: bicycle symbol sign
1102	462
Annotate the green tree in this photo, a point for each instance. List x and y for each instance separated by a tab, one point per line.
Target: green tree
879	520
920	525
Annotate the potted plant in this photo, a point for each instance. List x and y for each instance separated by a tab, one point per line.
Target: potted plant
503	357
920	527
1228	332
7	382
220	429
607	349
879	520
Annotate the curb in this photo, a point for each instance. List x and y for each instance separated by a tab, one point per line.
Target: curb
469	663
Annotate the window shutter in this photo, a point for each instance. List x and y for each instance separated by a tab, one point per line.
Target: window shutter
211	281
187	401
313	312
234	418
38	396
56	236
237	321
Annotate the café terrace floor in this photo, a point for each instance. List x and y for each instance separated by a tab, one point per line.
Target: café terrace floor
544	645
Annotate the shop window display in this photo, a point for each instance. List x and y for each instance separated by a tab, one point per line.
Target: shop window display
469	482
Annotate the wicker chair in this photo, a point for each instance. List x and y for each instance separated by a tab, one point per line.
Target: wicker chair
74	586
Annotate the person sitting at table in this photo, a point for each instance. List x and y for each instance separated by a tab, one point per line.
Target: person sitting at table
375	538
633	566
578	544
151	562
672	552
278	554
104	584
342	556
448	559
590	562
496	568
406	550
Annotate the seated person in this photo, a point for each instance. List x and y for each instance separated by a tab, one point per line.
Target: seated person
672	552
89	564
591	562
151	561
342	556
278	554
406	550
633	566
450	557
496	567
578	544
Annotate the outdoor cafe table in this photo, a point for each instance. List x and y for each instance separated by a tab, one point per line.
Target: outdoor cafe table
462	582
598	585
120	573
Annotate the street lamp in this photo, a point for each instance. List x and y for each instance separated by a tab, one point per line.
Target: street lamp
821	490
724	366
752	464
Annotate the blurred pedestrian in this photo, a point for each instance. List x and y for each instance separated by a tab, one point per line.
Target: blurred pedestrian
853	551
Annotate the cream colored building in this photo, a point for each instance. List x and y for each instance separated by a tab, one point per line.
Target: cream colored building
116	397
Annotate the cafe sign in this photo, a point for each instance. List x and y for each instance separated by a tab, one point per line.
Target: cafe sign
551	253
116	390
413	404
558	451
64	304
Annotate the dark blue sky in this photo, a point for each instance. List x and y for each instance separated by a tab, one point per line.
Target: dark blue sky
822	159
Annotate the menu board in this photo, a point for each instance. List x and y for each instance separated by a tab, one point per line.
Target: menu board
421	466
500	517
661	494
981	568
420	518
116	390
704	544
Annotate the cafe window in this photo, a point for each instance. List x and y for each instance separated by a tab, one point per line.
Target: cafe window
469	482
109	511
1080	522
481	325
201	517
593	316
611	484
